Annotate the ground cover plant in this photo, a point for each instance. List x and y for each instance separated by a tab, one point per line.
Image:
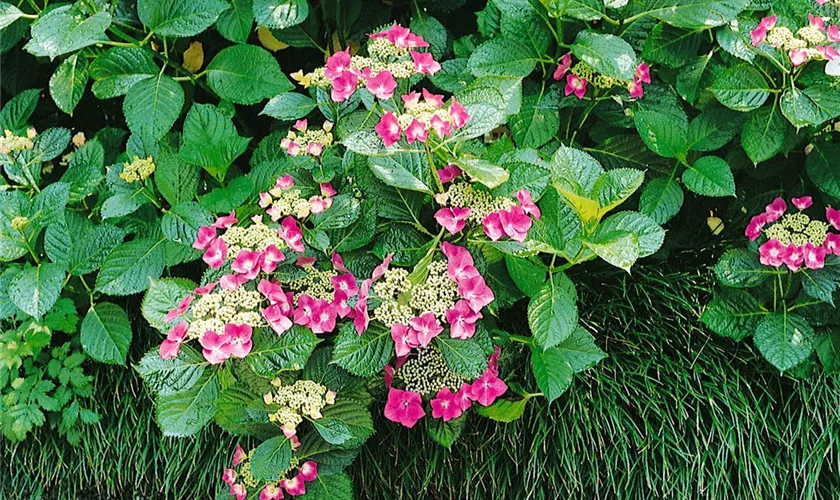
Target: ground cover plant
304	224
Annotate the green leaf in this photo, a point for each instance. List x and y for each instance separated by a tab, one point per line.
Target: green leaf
528	275
181	223
13	242
364	355
176	18
17	110
729	38
503	410
246	74
484	172
695	14
9	14
185	413
740	268
741	88
271	458
68	83
661	199
464	357
764	133
336	486
118	69
86	171
176	179
152	105
615	186
64	29
446	433
821	283
34	290
237	22
552	312
822	169
559	225
784	339
121	204
690	75
272	353
575	171
352	421
404	171
535	124
130	267
211	140
343	212
359	234
170	376
734	314
106	333
502	56
671	46
585	10
580	351
713	129
649	234
606	54
828	350
162	296
710	176
552	372
289	106
50	204
665	131
813	106
280	14
619	248
80	246
230	197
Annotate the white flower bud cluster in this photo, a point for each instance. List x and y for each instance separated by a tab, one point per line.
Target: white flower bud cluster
402	300
304	397
256	237
481	203
138	169
213	311
315	283
11	142
427	373
799	229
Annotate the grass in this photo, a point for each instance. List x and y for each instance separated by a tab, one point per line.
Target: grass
673	412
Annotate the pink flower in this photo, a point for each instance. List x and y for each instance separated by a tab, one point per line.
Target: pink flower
293	148
232	281
238	455
272	291
308	471
285	182
324	317
815	22
271	492
404	407
445	405
453	219
476	292
775	209
416	131
306	310
527	203
433	99
458	113
833	33
814	256
441	127
405	339
271	256
238	491
206	289
170	347
206	236
635	89
515	223
802	203
276	319
425	63
798	56
411	99
229	476
563	67
327	190
449	173
486	388
341	305
215	254
463	397
214	347
642	73
178	311
265	200
388	129
382	85
317	204
291	234
226	221
239	340
425	327
755	226
379	270
460	264
832	215
247	263
345	283
758	35
493	226
575	85
303	124
462	320
344	86
828	52
337	64
314	148
772	253
361	318
304	261
832	244
294	486
768	22
338	263
794	257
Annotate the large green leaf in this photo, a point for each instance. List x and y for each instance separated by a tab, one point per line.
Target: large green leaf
661	199
236	23
181	223
68	83
649	234
503	56
86	171
131	266
664	130
552	371
79	245
585	10
822	168
580	350
64	29
694	14
784	339
617	247
740	268
671	46
170	376
464	357
162	296
246	74
152	105
810	107
404	171
272	353
764	133
34	290
184	413
9	14
211	140
713	129
271	458
336	486
606	54
118	69
17	110
710	176
280	14
346	424
535	124
733	314
552	312
741	88
484	172
289	106
363	355
179	18
106	333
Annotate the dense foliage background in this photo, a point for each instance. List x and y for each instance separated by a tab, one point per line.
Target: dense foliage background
648	346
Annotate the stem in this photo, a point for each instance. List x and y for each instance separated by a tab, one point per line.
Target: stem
521	339
148	37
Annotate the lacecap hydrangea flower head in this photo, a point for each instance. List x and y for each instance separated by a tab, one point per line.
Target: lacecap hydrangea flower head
810	42
580	75
243	484
794	239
